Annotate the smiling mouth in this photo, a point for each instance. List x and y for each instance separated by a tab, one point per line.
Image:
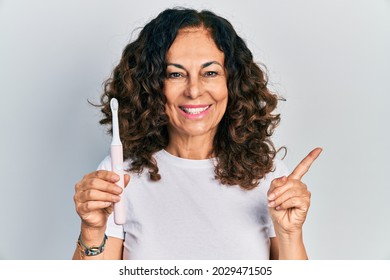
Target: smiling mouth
194	111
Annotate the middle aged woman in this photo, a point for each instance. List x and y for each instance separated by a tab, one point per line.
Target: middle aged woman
196	120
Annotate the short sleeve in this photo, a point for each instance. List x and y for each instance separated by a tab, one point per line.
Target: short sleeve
112	229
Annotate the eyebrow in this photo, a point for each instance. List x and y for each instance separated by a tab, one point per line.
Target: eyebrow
204	65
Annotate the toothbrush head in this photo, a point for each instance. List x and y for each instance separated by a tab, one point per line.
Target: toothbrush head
115	124
114	104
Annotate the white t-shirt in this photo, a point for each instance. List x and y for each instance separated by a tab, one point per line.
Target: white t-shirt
188	214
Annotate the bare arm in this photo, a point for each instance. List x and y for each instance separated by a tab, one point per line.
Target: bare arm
274	250
112	251
290	249
94	197
289	202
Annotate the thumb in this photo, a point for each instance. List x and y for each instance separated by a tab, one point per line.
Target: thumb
126	179
277	182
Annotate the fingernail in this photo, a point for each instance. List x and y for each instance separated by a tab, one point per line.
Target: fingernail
271	203
271	196
117	198
118	190
107	204
277	207
115	177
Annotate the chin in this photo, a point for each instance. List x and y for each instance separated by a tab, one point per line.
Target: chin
199	131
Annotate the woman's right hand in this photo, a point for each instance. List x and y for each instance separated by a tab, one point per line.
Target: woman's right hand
95	195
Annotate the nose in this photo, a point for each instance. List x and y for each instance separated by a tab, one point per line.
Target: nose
194	88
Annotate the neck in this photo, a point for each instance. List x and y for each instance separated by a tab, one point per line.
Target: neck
194	147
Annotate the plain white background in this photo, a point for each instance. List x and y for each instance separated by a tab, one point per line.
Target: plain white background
329	59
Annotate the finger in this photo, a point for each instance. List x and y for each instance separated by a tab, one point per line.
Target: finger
305	164
277	192
96	195
93	206
288	194
106	175
99	184
277	183
126	179
302	203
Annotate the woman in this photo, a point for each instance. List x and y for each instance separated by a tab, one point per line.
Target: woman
195	120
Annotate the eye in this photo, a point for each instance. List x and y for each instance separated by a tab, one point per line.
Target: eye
210	74
174	75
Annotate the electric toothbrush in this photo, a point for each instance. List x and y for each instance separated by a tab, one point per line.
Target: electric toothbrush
117	162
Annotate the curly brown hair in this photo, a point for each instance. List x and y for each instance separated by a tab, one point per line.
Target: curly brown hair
242	144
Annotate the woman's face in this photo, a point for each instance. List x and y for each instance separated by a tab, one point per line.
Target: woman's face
195	86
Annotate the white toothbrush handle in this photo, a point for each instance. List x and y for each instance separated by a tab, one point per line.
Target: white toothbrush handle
117	167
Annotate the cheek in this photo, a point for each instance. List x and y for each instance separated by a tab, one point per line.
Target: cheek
166	92
170	110
221	94
170	102
171	92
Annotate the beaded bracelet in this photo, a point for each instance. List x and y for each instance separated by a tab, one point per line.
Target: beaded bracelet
91	251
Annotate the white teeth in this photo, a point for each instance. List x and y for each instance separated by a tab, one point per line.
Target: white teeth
194	111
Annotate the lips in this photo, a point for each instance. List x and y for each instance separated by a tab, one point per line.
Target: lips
194	110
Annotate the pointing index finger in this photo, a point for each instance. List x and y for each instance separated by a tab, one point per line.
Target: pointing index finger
305	164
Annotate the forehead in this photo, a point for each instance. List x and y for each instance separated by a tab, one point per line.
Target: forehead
194	43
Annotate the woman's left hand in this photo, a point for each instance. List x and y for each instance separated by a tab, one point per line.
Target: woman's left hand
289	198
